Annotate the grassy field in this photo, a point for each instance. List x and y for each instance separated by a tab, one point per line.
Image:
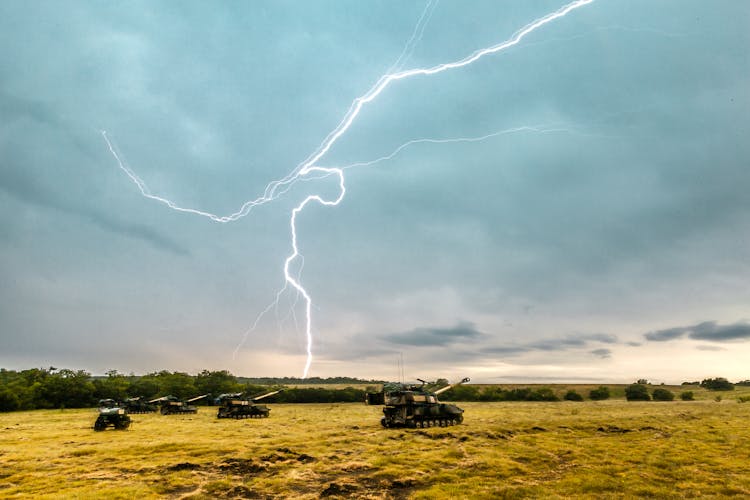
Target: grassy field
608	449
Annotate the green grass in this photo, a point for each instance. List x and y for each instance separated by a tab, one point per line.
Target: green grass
607	449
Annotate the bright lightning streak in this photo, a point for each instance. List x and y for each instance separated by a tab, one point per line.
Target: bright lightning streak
278	187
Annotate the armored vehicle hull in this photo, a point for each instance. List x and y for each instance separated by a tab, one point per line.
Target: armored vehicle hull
176	408
241	408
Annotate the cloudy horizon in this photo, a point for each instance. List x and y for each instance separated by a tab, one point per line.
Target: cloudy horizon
574	208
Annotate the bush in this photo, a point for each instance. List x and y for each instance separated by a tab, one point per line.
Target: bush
687	396
661	394
637	392
717	384
743	399
599	394
572	395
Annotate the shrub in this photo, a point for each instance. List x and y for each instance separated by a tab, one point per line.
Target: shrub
687	396
661	394
572	395
717	384
599	394
637	392
743	399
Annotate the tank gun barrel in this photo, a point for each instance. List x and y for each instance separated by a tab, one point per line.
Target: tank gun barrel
268	394
196	398
451	386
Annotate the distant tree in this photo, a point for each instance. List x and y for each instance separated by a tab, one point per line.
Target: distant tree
600	393
637	392
642	381
661	394
177	384
687	396
8	400
572	395
116	386
146	386
691	383
66	389
717	384
216	382
743	382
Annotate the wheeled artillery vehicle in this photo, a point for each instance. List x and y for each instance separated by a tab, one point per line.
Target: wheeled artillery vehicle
416	406
111	415
235	405
171	405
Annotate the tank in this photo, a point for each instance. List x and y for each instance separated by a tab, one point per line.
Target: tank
171	405
138	405
235	405
415	406
111	415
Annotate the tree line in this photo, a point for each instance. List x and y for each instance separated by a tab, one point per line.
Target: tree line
49	388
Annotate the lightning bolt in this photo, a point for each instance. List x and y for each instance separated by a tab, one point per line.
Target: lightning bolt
309	169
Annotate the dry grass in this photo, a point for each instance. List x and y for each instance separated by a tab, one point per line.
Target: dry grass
610	449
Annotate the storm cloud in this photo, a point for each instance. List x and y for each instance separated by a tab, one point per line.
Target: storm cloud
708	330
540	208
463	332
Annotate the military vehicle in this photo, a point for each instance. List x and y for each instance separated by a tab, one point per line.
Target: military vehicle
171	405
138	405
111	415
234	405
415	406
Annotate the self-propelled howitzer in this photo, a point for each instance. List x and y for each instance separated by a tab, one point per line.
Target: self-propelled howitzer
171	405
415	406
236	406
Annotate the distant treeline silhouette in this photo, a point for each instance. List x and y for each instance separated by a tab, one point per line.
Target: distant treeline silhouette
47	388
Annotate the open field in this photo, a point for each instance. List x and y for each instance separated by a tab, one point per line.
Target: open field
609	449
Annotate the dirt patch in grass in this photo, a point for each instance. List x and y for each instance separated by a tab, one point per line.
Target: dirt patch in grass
242	466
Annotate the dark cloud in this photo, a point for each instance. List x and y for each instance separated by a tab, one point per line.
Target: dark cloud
708	330
462	332
602	353
573	341
26	189
560	344
668	334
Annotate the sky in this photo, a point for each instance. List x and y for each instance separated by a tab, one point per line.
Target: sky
573	208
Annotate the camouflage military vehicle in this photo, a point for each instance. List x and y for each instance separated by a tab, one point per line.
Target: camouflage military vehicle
171	405
236	406
138	405
415	406
111	415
